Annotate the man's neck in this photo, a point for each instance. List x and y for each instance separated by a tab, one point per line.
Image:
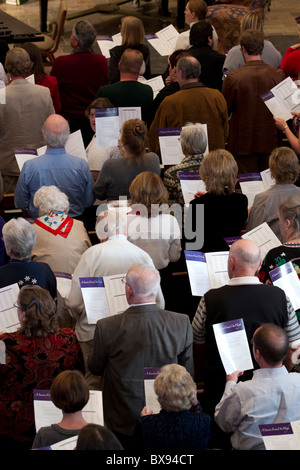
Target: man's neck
126	77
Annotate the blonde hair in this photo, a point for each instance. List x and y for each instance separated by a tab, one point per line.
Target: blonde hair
219	170
251	21
132	30
175	388
199	7
289	209
147	188
284	165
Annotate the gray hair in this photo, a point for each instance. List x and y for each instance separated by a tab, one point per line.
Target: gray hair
51	198
85	33
175	388
290	209
109	223
144	280
20	236
189	66
193	139
56	140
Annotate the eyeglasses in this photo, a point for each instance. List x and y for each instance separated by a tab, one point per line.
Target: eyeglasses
16	305
123	280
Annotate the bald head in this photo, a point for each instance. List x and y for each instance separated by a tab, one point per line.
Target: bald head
142	284
244	259
56	131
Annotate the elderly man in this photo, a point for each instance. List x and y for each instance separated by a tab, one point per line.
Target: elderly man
19	238
56	167
272	396
194	102
129	91
114	255
141	337
243	297
26	106
252	131
79	75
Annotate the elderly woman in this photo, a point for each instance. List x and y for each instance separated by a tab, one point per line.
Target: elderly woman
225	211
69	393
289	223
35	355
95	155
284	168
133	35
193	143
19	238
60	240
150	225
117	174
180	426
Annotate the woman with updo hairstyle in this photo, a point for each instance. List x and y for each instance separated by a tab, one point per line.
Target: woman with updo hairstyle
133	36
117	174
35	354
181	425
284	169
150	224
60	239
289	223
70	394
225	211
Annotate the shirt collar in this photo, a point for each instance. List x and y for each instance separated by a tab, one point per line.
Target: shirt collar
238	281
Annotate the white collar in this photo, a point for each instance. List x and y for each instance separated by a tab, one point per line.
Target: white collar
238	281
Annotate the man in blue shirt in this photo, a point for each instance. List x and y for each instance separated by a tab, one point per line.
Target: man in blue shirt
69	173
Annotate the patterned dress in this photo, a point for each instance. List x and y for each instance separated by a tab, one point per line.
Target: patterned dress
32	363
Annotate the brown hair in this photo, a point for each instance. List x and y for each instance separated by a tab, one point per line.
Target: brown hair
36	59
199	7
17	62
70	391
147	188
272	342
98	103
134	136
284	165
253	41
219	171
132	30
40	312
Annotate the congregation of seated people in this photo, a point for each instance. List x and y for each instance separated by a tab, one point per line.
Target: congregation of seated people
125	212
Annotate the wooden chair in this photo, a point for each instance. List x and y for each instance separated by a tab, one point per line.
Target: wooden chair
49	46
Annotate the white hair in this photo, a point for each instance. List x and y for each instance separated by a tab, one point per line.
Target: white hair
144	280
56	140
20	236
193	138
109	223
51	198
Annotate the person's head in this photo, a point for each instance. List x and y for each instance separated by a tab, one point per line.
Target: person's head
244	259
19	237
219	171
252	42
201	33
195	10
70	391
172	61
132	31
289	217
36	312
147	188
131	63
36	58
193	139
110	223
251	20
83	36
175	388
188	69
142	284
270	345
96	437
98	103
133	139
284	165
50	198
4	48
56	131
18	63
